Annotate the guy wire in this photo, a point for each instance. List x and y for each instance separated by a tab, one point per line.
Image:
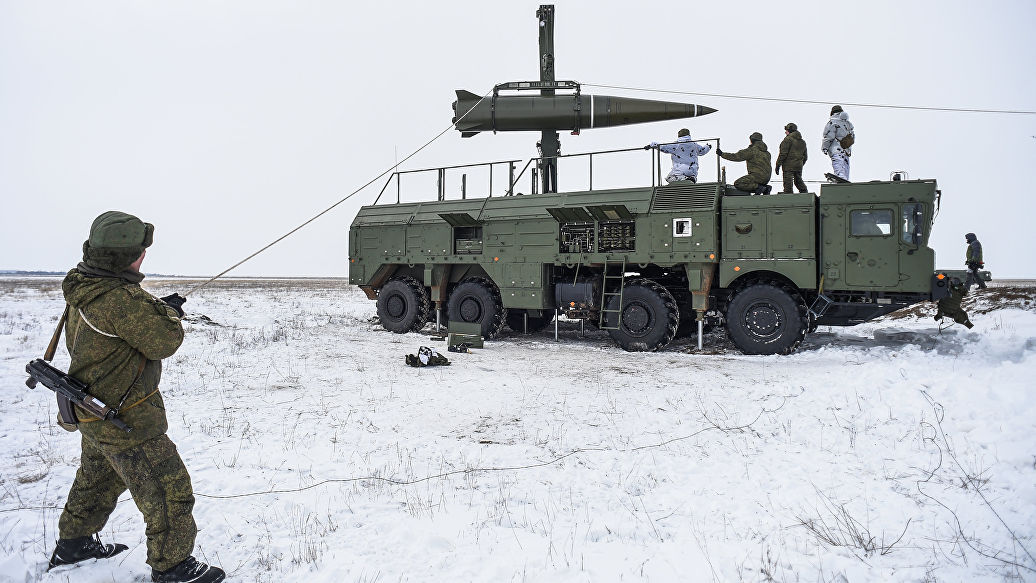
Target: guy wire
347	197
815	102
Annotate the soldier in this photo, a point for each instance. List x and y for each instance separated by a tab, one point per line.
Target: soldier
117	336
839	136
950	305
758	159
685	154
973	259
792	157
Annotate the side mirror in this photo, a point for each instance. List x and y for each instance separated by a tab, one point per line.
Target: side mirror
918	224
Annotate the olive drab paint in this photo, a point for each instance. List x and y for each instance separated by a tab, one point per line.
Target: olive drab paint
862	247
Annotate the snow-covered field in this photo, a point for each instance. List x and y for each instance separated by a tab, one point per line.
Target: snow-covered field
883	452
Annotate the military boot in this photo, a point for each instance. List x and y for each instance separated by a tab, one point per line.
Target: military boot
74	550
190	570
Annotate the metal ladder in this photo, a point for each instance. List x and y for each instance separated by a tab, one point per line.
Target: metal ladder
821	304
608	292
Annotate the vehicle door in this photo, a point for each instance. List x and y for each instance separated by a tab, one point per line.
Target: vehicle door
872	246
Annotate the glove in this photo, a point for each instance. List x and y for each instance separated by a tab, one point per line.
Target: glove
718	151
647	147
175	301
777	169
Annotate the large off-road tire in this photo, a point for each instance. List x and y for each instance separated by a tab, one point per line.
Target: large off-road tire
477	300
516	321
403	305
649	316
766	318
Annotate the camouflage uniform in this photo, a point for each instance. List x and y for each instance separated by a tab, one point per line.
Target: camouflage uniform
685	153
792	157
950	305
118	334
973	259
758	159
837	128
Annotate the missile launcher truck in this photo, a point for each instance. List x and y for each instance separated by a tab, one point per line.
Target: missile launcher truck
643	263
646	263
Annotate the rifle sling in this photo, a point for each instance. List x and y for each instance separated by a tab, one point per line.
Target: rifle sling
53	346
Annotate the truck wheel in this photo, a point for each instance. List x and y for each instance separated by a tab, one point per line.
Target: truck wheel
516	322
766	319
403	305
649	316
477	300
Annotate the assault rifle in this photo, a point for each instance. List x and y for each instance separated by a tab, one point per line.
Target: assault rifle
70	391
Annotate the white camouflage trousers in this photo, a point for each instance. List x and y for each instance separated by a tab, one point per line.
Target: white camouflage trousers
840	165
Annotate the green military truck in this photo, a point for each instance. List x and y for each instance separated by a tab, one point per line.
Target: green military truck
647	263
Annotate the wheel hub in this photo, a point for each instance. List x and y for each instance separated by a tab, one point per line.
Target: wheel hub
636	319
396	306
763	319
470	310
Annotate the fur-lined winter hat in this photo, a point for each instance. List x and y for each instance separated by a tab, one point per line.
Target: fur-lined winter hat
683	132
791	127
836	109
116	240
755	137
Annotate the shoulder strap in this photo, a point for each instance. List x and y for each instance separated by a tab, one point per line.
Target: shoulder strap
95	328
53	346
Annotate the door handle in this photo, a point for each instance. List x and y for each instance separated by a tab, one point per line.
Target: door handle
852	255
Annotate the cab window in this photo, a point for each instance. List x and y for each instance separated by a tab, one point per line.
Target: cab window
871	223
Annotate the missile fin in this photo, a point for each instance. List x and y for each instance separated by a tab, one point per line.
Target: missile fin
467	95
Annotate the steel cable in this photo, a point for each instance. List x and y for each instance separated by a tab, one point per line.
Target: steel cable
332	207
815	102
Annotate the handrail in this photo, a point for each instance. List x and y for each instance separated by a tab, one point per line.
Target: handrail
656	162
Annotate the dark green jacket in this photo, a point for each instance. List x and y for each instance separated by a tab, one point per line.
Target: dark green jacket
117	350
974	254
792	156
758	159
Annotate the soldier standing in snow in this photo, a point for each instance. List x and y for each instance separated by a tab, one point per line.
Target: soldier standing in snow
758	159
117	336
685	154
792	157
839	136
973	259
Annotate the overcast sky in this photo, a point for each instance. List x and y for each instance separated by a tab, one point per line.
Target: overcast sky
227	124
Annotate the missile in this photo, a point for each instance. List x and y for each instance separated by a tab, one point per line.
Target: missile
573	112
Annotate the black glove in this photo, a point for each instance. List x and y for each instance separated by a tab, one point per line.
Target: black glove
175	301
777	169
718	151
647	147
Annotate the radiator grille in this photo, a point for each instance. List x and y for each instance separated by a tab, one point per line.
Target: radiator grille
679	197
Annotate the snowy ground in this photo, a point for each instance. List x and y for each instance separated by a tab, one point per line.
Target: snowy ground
883	452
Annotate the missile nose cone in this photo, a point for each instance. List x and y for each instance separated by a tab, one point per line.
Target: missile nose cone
704	110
